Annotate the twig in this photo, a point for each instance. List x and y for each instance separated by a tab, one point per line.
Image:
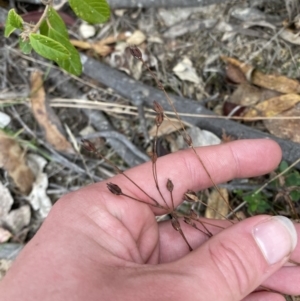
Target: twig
124	85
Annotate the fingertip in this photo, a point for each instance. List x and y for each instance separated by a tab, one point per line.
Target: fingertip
255	157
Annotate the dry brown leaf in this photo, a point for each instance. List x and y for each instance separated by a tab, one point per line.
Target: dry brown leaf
248	95
286	128
101	47
46	117
12	159
216	207
278	83
137	38
234	74
274	106
167	127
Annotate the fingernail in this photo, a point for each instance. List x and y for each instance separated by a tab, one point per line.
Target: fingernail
276	237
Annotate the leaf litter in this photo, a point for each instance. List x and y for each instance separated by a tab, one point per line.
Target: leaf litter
173	49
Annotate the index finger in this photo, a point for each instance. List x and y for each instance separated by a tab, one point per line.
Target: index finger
237	159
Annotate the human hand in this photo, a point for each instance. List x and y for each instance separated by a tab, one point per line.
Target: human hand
98	246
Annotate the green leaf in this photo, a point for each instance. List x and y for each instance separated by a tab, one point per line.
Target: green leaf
92	11
48	48
25	46
293	179
295	195
257	203
283	166
13	22
73	63
55	22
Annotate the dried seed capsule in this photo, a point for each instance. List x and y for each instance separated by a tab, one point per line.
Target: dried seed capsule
159	119
88	145
175	224
136	52
114	188
157	107
193	214
191	196
170	185
187	220
187	138
153	157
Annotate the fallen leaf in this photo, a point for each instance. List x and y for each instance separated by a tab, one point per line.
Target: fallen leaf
234	74
286	128
274	106
18	219
12	159
216	207
86	30
5	264
290	36
248	95
185	71
5	235
38	197
137	38
4	120
103	46
167	127
6	201
46	117
122	59
278	83
199	138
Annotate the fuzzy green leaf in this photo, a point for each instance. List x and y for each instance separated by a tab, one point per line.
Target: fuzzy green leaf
73	63
92	11
48	48
55	22
25	46
13	22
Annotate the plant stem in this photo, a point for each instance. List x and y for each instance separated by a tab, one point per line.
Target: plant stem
43	17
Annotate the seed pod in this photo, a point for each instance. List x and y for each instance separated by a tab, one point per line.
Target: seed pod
88	145
154	157
193	214
175	224
170	185
157	107
114	188
159	119
187	220
136	52
187	138
191	196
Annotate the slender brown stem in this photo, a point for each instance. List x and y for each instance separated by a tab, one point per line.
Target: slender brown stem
160	86
43	17
157	205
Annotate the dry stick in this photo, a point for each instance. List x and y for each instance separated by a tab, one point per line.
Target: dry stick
185	135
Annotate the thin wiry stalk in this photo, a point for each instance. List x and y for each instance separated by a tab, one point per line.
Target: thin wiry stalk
185	135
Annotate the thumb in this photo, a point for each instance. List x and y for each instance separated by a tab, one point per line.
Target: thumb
236	261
